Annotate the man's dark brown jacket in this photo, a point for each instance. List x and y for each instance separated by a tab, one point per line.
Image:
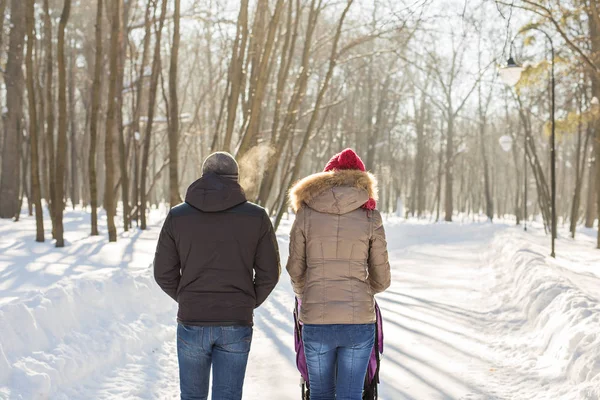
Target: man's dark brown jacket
217	254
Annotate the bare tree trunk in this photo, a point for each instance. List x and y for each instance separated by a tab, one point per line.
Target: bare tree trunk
448	194
536	167
518	209
49	98
598	184
111	122
580	160
380	124
598	179
438	191
300	88
24	189
590	213
61	145
315	114
594	27
73	137
236	72
123	150
39	76
258	87
418	192
483	108
13	78
136	183
33	129
96	93
174	197
2	11
85	142
151	105
135	125
278	141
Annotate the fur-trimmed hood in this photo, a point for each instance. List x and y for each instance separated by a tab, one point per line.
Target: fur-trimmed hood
334	192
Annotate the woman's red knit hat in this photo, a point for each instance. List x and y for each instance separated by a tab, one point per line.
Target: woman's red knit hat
348	159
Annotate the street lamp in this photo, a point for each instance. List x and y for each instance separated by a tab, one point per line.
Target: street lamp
511	75
506	143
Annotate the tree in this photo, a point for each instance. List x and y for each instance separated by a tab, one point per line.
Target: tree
588	50
236	72
155	74
451	107
422	111
96	99
333	59
590	209
580	162
33	130
123	148
483	110
135	123
49	99
258	83
73	140
174	197
13	79
281	135
61	145
111	121
2	11
265	84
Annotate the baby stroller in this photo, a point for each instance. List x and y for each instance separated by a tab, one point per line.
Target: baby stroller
372	377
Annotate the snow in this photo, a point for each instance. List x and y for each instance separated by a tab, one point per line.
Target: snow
476	311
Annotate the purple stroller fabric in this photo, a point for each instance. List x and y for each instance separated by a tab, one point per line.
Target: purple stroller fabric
298	344
301	357
373	364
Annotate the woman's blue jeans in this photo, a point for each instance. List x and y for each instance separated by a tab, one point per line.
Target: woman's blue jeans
337	357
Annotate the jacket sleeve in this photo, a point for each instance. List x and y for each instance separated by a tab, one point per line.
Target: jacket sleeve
296	265
267	267
379	266
167	267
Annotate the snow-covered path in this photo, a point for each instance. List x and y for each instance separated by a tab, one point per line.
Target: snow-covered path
476	311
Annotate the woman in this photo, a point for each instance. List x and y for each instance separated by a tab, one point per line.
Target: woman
338	261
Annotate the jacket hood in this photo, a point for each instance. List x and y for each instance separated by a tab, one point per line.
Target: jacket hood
334	192
214	193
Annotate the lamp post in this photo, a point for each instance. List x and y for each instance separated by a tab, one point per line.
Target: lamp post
511	75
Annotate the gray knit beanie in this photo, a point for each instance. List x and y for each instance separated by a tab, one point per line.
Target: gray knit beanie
221	163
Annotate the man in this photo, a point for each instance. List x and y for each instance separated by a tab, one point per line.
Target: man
217	257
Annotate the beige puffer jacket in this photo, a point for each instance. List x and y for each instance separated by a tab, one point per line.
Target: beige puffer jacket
338	252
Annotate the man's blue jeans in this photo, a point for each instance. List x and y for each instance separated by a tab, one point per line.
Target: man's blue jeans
225	348
337	357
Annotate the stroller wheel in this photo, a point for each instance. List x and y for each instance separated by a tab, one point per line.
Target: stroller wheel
370	393
305	392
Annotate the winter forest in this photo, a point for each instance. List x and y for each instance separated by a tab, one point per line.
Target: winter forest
480	120
114	103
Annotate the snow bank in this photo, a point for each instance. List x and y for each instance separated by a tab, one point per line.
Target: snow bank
476	311
553	321
78	327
